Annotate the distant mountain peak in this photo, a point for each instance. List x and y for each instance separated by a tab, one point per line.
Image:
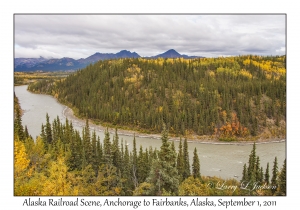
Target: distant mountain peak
127	54
66	63
171	51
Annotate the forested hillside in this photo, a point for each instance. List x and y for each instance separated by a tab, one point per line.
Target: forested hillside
227	98
61	161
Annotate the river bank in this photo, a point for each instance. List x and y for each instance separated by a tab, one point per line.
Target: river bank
221	159
68	113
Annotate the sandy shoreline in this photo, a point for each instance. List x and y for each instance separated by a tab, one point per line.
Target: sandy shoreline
68	113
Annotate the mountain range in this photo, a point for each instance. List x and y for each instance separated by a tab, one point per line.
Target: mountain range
35	64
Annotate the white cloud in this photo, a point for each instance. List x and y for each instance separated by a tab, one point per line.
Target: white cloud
80	36
281	50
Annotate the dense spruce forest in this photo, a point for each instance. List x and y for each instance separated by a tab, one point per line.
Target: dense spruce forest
63	161
22	78
226	98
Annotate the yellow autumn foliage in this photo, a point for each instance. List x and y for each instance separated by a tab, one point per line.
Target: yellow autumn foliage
20	156
211	74
134	74
193	187
58	183
160	109
245	73
268	66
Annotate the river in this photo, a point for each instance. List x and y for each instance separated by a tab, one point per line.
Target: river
225	161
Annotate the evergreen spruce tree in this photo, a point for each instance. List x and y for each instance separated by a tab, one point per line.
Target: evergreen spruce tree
258	172
73	152
150	157
261	177
76	152
116	154
245	174
267	174
163	174
166	152
107	156
26	134
57	130
87	143
84	162
134	151
99	152
141	166
127	174
196	165
94	158
43	135
48	130
122	149
134	163
174	151
252	182
274	182
54	132
180	161
282	180
155	153
186	160
147	164
122	158
68	130
18	127
252	164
